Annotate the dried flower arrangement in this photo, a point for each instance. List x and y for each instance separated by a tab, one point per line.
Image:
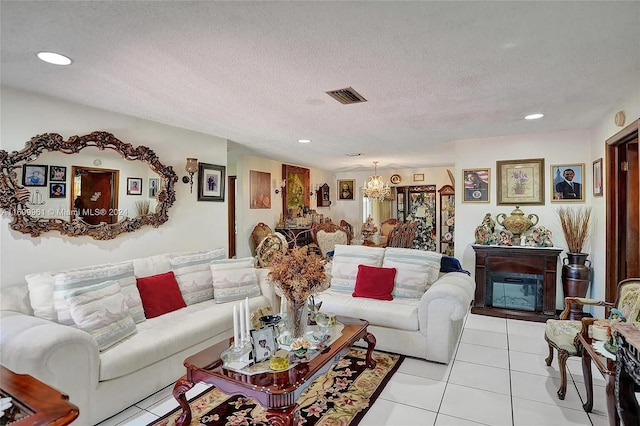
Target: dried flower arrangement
298	273
575	226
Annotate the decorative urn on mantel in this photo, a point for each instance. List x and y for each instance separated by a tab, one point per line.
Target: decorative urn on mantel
517	223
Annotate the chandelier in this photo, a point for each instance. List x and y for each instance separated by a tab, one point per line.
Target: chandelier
376	189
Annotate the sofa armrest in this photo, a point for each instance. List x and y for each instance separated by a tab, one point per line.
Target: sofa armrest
63	357
267	288
453	290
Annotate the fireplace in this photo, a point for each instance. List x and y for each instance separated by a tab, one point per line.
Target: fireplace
516	282
513	290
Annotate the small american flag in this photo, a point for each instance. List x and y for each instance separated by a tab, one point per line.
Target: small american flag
482	174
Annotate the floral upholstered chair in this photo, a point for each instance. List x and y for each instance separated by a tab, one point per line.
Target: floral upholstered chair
326	235
562	334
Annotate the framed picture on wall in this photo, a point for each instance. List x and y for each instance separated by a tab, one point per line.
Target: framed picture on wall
520	182
57	173
597	178
476	185
260	189
153	187
134	186
34	175
346	189
567	183
57	190
296	189
210	182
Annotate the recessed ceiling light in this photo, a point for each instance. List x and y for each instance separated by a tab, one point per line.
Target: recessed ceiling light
54	58
304	140
533	116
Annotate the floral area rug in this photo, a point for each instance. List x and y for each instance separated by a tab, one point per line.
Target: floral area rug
341	396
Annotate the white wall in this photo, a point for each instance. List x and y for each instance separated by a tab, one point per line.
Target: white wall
555	148
191	224
598	135
247	218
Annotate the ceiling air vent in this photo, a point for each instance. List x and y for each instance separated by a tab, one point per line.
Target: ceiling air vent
346	96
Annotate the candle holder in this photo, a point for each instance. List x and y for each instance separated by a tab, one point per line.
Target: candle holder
237	357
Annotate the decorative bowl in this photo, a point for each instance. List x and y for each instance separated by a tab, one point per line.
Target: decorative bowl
269	319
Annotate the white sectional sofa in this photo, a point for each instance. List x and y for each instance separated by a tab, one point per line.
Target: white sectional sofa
426	315
103	382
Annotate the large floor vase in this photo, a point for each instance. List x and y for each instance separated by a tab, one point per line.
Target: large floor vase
576	275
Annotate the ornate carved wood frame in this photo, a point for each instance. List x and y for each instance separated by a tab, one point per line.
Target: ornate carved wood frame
14	197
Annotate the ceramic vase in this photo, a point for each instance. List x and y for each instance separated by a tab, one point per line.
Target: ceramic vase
576	274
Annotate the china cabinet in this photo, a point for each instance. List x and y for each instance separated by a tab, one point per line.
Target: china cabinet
418	203
447	219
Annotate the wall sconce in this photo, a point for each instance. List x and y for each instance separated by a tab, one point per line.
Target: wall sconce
313	190
279	188
191	168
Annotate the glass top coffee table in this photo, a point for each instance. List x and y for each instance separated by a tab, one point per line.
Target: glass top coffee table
277	391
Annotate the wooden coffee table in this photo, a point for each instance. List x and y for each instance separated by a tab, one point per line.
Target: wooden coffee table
277	391
36	402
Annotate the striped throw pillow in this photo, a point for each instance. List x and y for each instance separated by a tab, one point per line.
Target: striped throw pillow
344	268
101	311
193	274
416	270
234	279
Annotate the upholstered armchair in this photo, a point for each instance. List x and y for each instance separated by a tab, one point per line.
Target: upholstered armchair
562	334
385	229
327	235
403	235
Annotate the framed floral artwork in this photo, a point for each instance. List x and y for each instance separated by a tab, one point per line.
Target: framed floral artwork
520	182
567	183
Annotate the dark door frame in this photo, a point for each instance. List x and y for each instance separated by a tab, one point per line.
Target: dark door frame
622	204
231	214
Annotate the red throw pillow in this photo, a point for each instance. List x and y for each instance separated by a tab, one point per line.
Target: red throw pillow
374	283
160	294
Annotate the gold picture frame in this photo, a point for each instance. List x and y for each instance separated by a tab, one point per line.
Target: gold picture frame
418	177
567	183
346	189
520	182
477	185
296	189
597	178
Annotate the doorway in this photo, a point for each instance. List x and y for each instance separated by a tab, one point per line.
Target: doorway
623	208
94	195
231	215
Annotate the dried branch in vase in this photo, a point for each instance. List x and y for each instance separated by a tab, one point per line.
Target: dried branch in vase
576	226
298	273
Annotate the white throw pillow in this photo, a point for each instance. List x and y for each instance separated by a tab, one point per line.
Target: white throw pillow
75	279
234	279
41	295
416	270
346	259
193	274
101	311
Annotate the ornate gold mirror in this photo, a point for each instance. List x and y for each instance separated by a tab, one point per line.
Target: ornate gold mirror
74	196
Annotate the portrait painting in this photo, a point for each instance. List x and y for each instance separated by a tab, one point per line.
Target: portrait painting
346	189
134	186
34	175
567	182
476	185
57	190
211	180
153	187
260	189
57	173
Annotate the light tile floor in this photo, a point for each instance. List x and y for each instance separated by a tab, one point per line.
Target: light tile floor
498	377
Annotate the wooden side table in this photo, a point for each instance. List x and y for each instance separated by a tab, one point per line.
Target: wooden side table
627	374
606	366
39	403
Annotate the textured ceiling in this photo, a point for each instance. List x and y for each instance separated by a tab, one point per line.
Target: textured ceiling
257	73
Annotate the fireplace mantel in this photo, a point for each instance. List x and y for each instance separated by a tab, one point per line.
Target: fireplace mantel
521	260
